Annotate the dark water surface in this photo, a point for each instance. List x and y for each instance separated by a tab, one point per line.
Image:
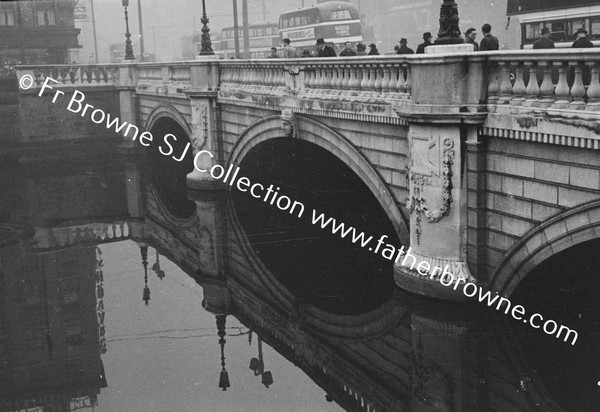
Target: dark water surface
325	318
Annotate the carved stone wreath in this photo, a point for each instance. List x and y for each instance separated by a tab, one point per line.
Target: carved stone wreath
417	202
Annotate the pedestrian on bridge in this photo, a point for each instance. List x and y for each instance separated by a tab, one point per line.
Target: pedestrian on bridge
421	47
404	49
544	42
288	52
470	35
582	40
373	50
325	50
489	41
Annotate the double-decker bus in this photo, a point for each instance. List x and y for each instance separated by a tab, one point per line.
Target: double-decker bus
334	21
261	38
562	17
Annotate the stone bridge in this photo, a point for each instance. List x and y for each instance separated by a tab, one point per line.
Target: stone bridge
486	162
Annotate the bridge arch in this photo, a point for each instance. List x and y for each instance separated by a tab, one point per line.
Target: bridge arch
168	111
568	229
323	136
167	173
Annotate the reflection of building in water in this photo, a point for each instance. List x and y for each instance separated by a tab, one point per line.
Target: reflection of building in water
50	339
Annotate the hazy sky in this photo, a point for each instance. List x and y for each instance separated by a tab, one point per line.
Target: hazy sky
166	21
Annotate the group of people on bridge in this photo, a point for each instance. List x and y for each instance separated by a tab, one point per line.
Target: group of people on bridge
488	42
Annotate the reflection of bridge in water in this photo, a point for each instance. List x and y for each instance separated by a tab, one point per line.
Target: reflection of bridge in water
407	354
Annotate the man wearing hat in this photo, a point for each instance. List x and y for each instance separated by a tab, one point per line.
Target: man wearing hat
403	48
582	40
544	42
324	50
421	47
373	50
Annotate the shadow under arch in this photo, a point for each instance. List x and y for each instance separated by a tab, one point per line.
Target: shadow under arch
166	174
170	112
321	135
340	327
570	228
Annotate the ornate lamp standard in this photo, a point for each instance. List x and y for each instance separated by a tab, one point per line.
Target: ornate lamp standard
128	49
205	44
449	32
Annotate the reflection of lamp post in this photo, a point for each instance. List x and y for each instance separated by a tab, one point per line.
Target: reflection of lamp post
156	267
128	49
205	44
224	376
146	294
257	365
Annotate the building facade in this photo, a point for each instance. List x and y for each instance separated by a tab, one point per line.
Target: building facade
40	31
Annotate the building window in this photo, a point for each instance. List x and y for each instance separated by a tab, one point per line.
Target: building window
45	18
7	18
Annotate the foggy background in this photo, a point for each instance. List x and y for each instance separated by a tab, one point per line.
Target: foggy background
165	22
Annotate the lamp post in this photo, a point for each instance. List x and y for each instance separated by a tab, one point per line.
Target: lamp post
205	44
128	49
449	32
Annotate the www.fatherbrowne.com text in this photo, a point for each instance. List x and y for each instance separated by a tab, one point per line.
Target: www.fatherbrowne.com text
270	194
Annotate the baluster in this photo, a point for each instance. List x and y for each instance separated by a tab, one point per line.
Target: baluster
593	91
493	89
372	79
386	84
578	89
346	79
272	85
400	85
306	73
547	87
408	83
353	82
378	79
312	79
519	88
505	86
364	81
562	88
533	90
328	83
335	78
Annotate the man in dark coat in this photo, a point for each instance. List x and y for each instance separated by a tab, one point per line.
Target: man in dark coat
373	50
403	48
421	47
582	41
489	41
325	50
544	42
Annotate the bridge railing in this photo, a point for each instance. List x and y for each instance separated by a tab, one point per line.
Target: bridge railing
361	78
96	75
164	77
538	80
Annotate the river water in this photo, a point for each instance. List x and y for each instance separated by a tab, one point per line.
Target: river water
102	306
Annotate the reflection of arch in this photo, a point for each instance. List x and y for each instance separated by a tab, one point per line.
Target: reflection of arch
339	327
321	135
559	233
171	112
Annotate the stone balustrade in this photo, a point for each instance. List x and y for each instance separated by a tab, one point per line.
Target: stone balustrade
72	75
359	78
88	234
563	82
544	80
